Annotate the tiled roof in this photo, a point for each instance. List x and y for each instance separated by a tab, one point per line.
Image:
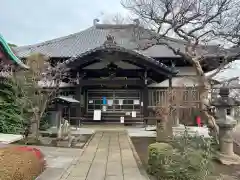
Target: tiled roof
129	36
75	44
164	52
68	99
113	46
231	70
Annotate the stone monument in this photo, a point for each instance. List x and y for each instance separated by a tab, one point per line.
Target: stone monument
226	125
64	134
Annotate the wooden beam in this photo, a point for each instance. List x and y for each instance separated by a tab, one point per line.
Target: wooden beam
89	82
119	72
146	64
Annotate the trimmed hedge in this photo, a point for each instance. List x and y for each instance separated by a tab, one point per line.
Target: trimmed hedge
159	155
20	163
167	163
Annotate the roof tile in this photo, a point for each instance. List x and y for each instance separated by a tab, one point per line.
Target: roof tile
128	36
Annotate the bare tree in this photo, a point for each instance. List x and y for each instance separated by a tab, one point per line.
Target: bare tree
116	19
196	23
229	29
119	19
31	83
164	125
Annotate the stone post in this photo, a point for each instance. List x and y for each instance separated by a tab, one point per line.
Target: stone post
226	125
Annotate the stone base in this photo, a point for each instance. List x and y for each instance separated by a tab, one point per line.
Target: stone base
228	160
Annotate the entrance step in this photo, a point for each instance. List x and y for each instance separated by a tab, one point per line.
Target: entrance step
114	118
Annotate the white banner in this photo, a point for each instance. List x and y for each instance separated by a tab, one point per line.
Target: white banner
134	114
122	119
97	115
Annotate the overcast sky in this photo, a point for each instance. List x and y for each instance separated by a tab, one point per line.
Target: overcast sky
25	22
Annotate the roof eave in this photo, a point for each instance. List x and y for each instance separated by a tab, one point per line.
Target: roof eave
10	53
165	69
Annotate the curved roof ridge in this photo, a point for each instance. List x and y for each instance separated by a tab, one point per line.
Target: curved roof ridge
97	26
114	26
10	53
110	44
130	36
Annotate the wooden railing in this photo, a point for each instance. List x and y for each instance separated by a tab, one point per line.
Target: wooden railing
184	103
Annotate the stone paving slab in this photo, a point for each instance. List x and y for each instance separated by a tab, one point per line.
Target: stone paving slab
51	174
114	177
59	160
108	156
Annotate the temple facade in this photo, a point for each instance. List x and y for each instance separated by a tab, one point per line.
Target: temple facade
120	71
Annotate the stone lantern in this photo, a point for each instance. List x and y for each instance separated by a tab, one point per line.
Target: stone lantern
226	125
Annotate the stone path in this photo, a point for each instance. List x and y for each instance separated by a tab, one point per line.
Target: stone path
58	161
107	157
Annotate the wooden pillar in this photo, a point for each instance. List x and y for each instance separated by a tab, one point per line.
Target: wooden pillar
170	82
145	101
145	96
78	91
78	97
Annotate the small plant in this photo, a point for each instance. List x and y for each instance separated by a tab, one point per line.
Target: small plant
160	155
185	158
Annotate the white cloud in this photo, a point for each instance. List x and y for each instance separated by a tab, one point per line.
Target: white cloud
31	21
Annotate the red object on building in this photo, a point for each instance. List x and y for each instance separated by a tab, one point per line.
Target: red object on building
199	123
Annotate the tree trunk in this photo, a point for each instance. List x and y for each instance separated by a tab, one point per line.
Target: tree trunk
164	131
176	119
204	86
164	124
35	126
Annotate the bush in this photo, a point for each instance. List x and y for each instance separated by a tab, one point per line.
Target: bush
185	159
159	155
11	109
20	163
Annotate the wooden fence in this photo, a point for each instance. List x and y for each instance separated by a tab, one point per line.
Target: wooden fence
184	103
